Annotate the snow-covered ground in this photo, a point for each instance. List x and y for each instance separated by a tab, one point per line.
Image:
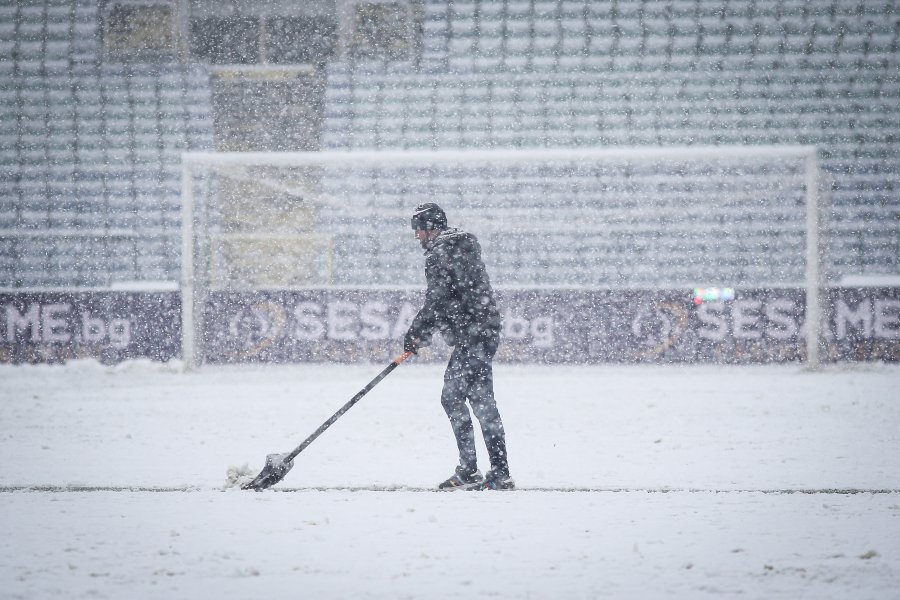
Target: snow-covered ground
635	482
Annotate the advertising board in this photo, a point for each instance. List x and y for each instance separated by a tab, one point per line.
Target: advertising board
564	326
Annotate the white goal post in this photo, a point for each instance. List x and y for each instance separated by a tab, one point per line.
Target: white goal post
627	219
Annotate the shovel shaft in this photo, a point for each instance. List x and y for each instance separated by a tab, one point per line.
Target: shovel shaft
394	364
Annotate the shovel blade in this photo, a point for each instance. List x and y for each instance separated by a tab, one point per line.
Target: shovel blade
277	466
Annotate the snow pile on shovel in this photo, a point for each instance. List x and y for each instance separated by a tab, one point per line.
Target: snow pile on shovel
238	476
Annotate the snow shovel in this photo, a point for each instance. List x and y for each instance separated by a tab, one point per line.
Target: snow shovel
278	465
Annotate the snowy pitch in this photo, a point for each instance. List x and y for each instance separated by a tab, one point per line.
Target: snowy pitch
635	481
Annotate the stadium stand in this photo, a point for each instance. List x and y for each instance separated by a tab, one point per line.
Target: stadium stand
91	152
90	146
546	73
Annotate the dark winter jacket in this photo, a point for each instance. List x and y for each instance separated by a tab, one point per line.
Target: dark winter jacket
459	300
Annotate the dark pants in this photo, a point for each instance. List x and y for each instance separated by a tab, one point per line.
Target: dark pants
469	376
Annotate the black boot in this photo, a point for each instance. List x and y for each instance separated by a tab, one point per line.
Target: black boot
461	479
498	479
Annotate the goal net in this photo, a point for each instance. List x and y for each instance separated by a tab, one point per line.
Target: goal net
625	218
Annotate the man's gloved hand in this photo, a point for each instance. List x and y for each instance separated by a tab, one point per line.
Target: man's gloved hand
410	343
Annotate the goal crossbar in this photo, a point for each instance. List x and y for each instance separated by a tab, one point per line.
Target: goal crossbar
425	157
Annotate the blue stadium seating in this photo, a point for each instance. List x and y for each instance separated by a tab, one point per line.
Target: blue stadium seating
91	152
90	148
577	73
